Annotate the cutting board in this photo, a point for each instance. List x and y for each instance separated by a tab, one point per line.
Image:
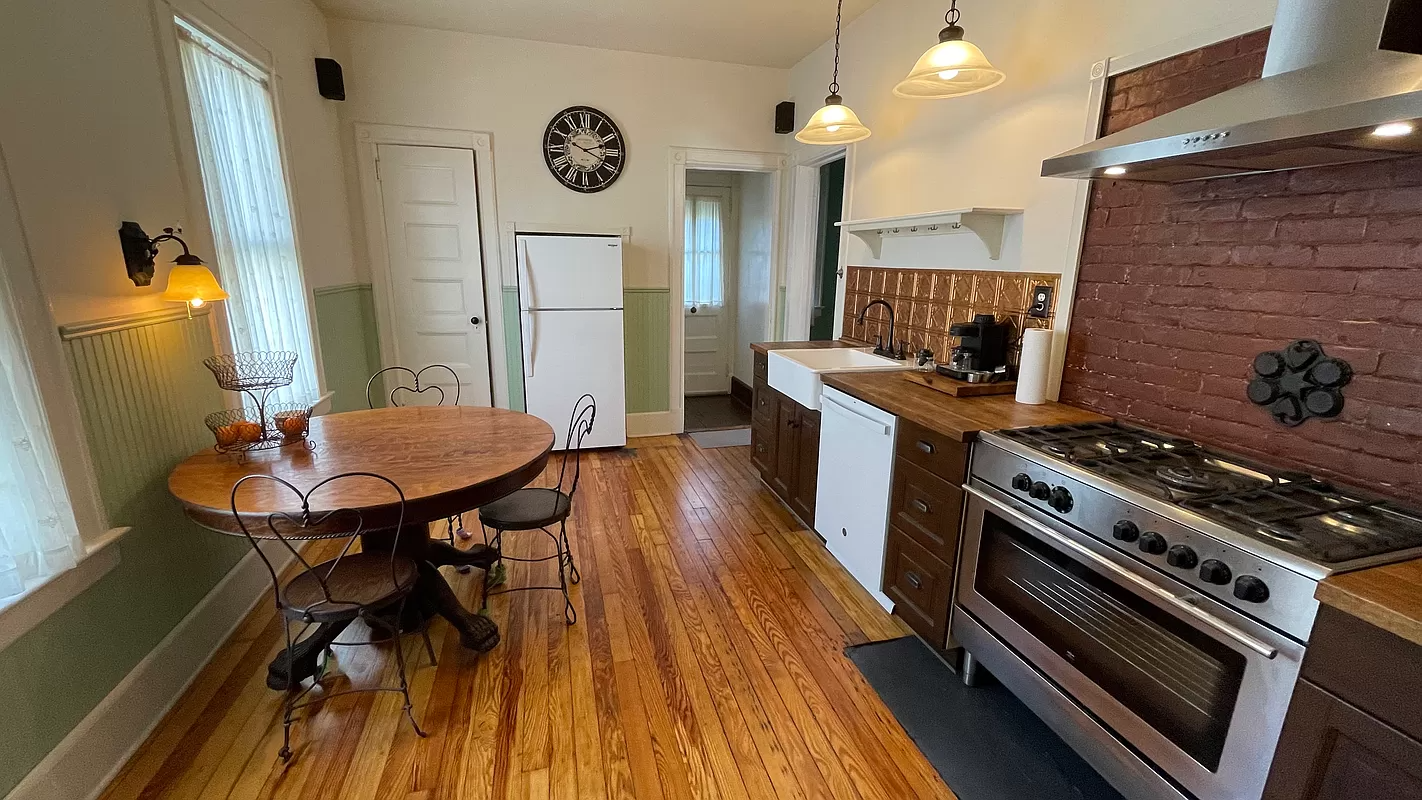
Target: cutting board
957	388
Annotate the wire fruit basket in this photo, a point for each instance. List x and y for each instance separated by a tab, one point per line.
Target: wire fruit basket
258	425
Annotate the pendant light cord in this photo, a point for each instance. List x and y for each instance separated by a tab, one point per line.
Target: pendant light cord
834	81
953	14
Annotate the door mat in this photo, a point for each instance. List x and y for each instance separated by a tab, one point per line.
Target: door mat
984	743
735	437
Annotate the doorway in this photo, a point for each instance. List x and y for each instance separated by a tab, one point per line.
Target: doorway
726	273
831	208
432	279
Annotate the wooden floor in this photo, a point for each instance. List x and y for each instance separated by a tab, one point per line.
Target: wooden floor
706	663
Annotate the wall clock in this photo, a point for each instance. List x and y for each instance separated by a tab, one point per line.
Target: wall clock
584	149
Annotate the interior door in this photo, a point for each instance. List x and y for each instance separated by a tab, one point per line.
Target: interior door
436	270
708	311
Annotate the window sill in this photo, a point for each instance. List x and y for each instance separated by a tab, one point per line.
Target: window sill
19	614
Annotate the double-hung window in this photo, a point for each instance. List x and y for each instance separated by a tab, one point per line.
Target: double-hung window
248	207
704	243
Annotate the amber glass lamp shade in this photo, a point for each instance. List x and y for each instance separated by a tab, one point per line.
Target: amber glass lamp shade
193	284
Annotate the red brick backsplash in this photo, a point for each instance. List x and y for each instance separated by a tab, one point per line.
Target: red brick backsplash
1182	285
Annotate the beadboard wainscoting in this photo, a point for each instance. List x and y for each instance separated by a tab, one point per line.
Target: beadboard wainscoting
350	342
513	348
83	687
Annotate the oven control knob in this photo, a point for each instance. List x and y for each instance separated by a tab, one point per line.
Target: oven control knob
1181	556
1126	531
1040	491
1215	571
1251	589
1060	499
1022	482
1152	542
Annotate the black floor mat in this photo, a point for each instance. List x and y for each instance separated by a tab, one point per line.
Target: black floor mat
984	743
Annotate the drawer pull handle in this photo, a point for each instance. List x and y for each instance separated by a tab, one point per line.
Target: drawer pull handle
926	447
913	580
922	507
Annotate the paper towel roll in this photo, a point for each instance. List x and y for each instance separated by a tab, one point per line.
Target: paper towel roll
1032	368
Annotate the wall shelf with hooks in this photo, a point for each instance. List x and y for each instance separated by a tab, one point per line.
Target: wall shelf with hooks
989	224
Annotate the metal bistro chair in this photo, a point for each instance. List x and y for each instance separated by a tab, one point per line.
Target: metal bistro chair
413	386
540	508
372	587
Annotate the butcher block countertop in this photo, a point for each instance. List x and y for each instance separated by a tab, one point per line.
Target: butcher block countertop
1387	597
958	417
766	347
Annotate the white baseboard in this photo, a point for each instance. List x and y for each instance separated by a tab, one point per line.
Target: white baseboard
83	764
651	423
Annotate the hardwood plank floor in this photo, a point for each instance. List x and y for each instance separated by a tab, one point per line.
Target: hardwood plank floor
706	663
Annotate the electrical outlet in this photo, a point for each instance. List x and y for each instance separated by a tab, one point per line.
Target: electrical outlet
1041	307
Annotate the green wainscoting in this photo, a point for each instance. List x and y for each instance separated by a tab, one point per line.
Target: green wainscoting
645	337
143	393
647	322
350	343
513	347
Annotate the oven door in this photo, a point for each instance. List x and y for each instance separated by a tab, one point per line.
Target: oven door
1195	687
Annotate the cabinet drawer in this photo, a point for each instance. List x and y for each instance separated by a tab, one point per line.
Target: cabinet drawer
920	585
762	367
763	450
1367	667
763	404
927	508
932	451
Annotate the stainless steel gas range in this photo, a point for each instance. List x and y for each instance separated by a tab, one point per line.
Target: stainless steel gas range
1152	599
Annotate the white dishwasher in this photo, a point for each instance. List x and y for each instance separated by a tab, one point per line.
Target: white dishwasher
852	497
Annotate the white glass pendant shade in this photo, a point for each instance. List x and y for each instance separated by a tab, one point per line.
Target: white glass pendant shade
835	123
951	68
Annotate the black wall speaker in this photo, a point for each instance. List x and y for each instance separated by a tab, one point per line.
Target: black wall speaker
328	79
785	117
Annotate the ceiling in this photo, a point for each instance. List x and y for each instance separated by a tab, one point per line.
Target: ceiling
771	33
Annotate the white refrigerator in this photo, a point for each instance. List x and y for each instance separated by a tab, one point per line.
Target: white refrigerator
570	314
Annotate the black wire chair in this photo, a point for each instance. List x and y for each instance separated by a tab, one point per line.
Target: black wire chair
414	387
541	508
372	587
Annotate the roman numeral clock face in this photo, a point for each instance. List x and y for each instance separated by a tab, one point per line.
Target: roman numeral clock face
584	149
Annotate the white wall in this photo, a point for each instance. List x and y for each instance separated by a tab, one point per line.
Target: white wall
987	149
756	264
414	76
88	136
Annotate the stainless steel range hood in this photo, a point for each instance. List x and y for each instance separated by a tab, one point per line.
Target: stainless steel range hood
1336	71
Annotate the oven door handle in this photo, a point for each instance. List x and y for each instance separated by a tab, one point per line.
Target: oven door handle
1184	606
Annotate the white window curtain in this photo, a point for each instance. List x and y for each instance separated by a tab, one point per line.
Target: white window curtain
705	283
38	535
248	206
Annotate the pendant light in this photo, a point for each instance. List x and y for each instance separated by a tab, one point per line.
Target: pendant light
835	123
952	68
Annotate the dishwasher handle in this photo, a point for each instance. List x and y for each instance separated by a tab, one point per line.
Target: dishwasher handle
828	403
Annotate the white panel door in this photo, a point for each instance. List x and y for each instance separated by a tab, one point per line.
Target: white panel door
708	355
567	354
570	272
436	277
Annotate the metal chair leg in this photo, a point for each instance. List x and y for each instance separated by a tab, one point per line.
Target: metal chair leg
462	569
565	560
291	694
568	550
400	660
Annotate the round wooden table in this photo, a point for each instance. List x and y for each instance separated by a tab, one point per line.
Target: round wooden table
446	459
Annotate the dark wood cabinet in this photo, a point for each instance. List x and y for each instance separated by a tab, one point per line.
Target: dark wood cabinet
785	446
1353	730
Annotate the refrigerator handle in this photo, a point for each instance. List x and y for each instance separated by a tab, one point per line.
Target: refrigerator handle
526	304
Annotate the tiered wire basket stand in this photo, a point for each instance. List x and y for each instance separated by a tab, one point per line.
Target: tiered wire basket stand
258	424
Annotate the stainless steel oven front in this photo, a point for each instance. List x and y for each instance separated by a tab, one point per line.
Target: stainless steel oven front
1164	689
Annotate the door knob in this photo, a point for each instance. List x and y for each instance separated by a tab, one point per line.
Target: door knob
474	320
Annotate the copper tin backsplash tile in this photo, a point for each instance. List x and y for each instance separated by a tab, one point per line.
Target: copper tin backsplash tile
929	301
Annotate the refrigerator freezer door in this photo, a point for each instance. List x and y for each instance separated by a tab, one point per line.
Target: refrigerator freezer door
570	272
573	353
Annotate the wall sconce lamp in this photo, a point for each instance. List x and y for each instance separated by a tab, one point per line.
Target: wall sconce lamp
190	281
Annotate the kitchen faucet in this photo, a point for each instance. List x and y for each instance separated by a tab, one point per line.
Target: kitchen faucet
879	349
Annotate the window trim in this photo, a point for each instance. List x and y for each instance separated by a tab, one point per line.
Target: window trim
199	228
40	336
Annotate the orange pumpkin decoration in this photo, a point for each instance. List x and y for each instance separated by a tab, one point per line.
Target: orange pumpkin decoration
248	431
292	424
227	435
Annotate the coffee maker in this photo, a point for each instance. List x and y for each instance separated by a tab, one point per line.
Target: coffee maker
981	354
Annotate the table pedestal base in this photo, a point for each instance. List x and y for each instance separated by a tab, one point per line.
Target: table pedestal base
433	595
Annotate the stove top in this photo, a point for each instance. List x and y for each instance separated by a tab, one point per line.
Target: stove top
1291	511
